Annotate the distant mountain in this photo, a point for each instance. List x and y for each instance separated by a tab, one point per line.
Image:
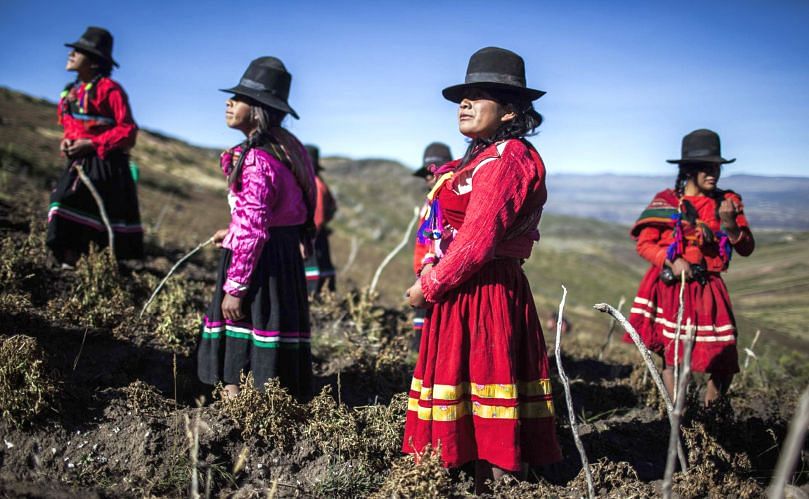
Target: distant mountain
770	202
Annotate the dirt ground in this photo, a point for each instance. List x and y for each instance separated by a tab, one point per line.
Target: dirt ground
98	402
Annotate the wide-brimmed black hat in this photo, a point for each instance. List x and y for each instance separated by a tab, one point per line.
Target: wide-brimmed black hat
266	81
314	156
701	146
495	69
435	154
96	42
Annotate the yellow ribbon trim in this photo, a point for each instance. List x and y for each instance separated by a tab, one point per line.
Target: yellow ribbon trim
491	391
454	412
443	178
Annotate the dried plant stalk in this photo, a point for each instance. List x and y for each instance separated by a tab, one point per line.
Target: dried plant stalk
610	332
647	357
792	447
397	249
569	399
674	436
680	310
749	352
100	202
179	262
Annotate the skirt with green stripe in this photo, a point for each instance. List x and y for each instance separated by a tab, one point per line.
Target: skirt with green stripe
74	220
272	340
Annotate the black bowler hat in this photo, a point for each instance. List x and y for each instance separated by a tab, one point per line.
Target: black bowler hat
495	69
96	42
701	146
435	154
314	156
266	81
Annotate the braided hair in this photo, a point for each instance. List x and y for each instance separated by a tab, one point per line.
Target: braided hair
279	143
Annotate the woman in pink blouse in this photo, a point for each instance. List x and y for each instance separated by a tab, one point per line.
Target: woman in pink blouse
258	320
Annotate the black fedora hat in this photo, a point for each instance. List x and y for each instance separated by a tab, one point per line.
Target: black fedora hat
436	153
496	69
266	81
701	146
314	156
96	42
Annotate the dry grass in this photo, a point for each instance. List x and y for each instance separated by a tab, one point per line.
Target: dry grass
175	314
425	478
26	388
100	297
272	415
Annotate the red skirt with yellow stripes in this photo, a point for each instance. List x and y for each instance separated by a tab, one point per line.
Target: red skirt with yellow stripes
481	388
708	308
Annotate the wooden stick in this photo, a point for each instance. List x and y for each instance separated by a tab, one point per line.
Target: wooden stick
398	248
352	254
792	447
179	262
749	352
611	330
680	310
569	399
647	357
674	436
100	202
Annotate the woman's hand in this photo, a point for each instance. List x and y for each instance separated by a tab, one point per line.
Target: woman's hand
80	148
727	213
415	296
64	145
232	307
219	236
679	266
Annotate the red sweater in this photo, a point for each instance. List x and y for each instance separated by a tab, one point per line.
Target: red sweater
101	114
495	204
654	238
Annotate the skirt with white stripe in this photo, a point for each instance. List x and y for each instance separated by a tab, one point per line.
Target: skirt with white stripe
74	220
707	312
272	340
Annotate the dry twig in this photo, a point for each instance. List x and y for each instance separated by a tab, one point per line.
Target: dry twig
647	357
792	447
613	323
749	352
569	399
674	436
179	262
352	254
680	310
397	249
193	440
100	202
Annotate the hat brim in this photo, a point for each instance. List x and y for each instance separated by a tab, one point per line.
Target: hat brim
262	97
422	172
707	159
455	93
92	51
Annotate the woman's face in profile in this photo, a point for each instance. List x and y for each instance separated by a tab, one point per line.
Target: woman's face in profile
479	115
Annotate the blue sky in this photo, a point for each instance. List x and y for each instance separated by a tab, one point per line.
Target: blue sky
625	80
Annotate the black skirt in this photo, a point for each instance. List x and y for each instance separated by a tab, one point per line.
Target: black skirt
74	220
272	340
319	269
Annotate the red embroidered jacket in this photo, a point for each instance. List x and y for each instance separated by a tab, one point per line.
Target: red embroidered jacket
654	231
495	204
100	113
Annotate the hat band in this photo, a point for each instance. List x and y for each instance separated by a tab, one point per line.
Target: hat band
696	153
495	78
432	159
254	85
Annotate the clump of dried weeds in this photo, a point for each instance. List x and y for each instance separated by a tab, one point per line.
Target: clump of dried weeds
422	476
26	388
99	297
272	415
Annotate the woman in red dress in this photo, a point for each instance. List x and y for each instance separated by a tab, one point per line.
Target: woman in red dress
692	229
481	389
